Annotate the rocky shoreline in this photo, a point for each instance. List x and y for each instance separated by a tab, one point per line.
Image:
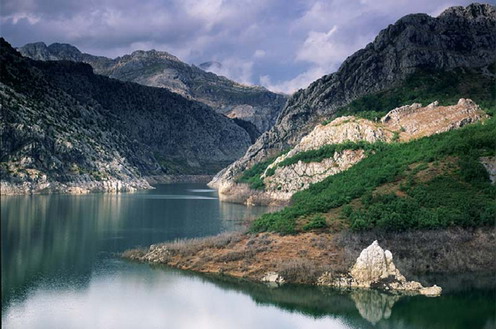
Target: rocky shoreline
85	186
168	179
332	259
47	187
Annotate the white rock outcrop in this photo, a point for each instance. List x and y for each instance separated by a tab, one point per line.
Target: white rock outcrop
273	277
299	176
375	268
374	264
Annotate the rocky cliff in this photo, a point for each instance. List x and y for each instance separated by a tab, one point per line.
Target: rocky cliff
153	68
460	38
333	147
64	128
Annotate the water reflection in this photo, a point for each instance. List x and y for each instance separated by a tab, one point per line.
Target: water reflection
59	271
153	299
62	237
374	305
464	307
127	295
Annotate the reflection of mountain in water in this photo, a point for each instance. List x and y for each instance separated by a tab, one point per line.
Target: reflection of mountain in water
61	239
50	236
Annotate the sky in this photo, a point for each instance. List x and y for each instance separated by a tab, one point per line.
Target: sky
283	45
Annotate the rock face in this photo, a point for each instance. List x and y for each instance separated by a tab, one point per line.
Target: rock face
399	125
299	176
490	164
64	128
154	68
459	37
414	121
374	268
44	185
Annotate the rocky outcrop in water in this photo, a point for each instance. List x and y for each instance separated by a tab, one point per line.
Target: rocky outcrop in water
375	268
399	125
253	104
65	129
458	38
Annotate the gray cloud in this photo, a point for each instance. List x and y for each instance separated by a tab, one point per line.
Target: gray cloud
283	45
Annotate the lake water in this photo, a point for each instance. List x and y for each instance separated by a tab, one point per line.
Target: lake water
60	270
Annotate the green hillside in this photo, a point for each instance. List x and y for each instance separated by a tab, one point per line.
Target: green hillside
439	181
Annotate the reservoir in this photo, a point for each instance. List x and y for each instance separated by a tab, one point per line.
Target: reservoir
61	269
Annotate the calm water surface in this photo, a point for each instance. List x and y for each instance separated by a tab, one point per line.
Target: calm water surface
60	270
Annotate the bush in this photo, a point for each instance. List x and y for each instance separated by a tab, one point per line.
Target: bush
317	221
252	175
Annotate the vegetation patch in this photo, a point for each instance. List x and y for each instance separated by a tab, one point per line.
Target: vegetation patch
462	198
317	221
253	175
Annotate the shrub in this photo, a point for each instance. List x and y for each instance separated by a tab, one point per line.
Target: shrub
317	221
252	175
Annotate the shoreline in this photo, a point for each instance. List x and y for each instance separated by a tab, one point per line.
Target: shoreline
305	257
93	186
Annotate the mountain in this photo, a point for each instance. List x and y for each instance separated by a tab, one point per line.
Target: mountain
65	128
418	59
154	68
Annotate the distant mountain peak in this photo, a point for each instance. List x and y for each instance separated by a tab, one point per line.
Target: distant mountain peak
472	11
154	68
153	54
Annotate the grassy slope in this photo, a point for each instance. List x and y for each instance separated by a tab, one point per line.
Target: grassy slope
462	196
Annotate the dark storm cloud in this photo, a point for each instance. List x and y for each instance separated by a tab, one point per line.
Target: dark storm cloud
283	45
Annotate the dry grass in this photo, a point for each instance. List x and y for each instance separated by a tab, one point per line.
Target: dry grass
300	270
452	250
190	247
304	257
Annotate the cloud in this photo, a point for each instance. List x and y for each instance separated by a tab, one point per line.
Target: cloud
240	71
302	80
259	53
268	42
